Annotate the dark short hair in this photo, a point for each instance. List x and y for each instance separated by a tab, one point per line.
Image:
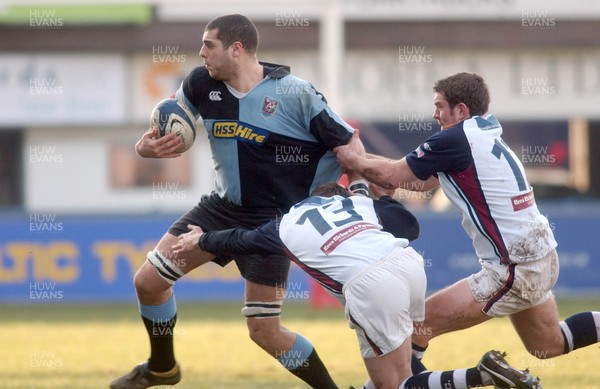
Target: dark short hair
467	88
234	28
331	189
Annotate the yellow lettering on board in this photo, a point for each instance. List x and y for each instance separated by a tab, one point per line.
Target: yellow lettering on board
59	262
18	254
109	252
56	261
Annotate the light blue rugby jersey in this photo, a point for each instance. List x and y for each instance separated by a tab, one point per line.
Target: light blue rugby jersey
272	146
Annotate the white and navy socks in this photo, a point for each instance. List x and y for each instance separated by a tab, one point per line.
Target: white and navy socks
580	330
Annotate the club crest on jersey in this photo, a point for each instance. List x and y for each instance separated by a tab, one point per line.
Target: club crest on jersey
269	105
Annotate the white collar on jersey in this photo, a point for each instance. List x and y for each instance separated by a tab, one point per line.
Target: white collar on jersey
236	92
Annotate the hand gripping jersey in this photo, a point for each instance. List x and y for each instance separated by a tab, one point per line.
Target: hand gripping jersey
272	145
487	182
331	238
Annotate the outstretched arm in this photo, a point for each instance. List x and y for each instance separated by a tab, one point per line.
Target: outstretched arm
235	241
385	172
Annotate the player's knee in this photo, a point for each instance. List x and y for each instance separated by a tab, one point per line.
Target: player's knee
263	320
148	280
263	331
142	282
138	277
257	331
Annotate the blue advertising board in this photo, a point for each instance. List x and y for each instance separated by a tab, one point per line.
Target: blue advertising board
449	255
47	257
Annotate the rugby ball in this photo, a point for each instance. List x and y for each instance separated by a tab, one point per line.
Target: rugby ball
171	115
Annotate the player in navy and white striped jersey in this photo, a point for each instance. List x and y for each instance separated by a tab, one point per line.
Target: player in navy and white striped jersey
358	250
513	241
271	136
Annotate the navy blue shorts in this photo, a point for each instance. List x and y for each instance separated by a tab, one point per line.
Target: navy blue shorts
215	213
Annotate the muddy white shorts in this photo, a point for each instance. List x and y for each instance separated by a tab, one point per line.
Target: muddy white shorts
384	299
509	289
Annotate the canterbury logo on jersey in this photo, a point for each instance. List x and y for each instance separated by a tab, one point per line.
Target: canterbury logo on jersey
240	131
215	95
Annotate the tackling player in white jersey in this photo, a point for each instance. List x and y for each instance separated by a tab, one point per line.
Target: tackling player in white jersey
513	241
357	249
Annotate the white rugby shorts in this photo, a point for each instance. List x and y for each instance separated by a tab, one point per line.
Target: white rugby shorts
509	289
384	299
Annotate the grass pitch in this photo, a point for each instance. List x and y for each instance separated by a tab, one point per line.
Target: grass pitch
86	346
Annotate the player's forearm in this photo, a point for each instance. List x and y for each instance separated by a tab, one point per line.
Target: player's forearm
380	171
385	172
431	184
227	242
420	185
391	174
380	157
238	241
